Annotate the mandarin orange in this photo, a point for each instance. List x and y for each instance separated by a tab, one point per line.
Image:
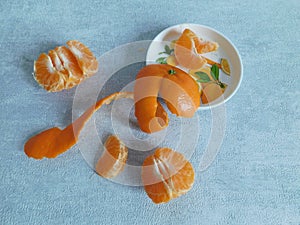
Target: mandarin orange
176	87
166	175
64	68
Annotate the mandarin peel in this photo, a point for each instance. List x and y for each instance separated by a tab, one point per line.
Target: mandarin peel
54	141
177	88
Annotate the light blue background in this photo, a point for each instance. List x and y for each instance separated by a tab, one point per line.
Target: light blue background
256	176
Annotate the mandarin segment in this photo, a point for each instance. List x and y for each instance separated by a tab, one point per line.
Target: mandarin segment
113	159
189	46
167	175
63	68
85	57
201	46
56	61
46	74
171	60
185	54
70	63
225	66
211	92
58	64
172	44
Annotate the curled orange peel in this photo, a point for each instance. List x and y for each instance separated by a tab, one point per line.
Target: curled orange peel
54	141
177	88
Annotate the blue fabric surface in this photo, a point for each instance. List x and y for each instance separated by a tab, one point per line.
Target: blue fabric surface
256	176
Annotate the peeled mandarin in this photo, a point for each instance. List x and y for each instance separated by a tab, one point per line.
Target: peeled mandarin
166	175
113	159
211	92
171	60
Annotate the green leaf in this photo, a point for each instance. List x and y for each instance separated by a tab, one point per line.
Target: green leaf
168	50
203	77
214	71
162	60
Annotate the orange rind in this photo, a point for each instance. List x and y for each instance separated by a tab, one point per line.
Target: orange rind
177	88
55	141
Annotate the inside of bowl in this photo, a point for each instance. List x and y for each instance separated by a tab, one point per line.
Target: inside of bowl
226	50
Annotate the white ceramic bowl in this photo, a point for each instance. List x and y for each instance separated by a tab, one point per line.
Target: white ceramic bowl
226	50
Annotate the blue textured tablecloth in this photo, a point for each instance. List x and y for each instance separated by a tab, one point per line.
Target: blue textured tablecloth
256	176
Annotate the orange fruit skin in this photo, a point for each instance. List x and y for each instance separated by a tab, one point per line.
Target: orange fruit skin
38	146
181	94
84	56
50	143
54	141
179	90
150	114
113	159
166	175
